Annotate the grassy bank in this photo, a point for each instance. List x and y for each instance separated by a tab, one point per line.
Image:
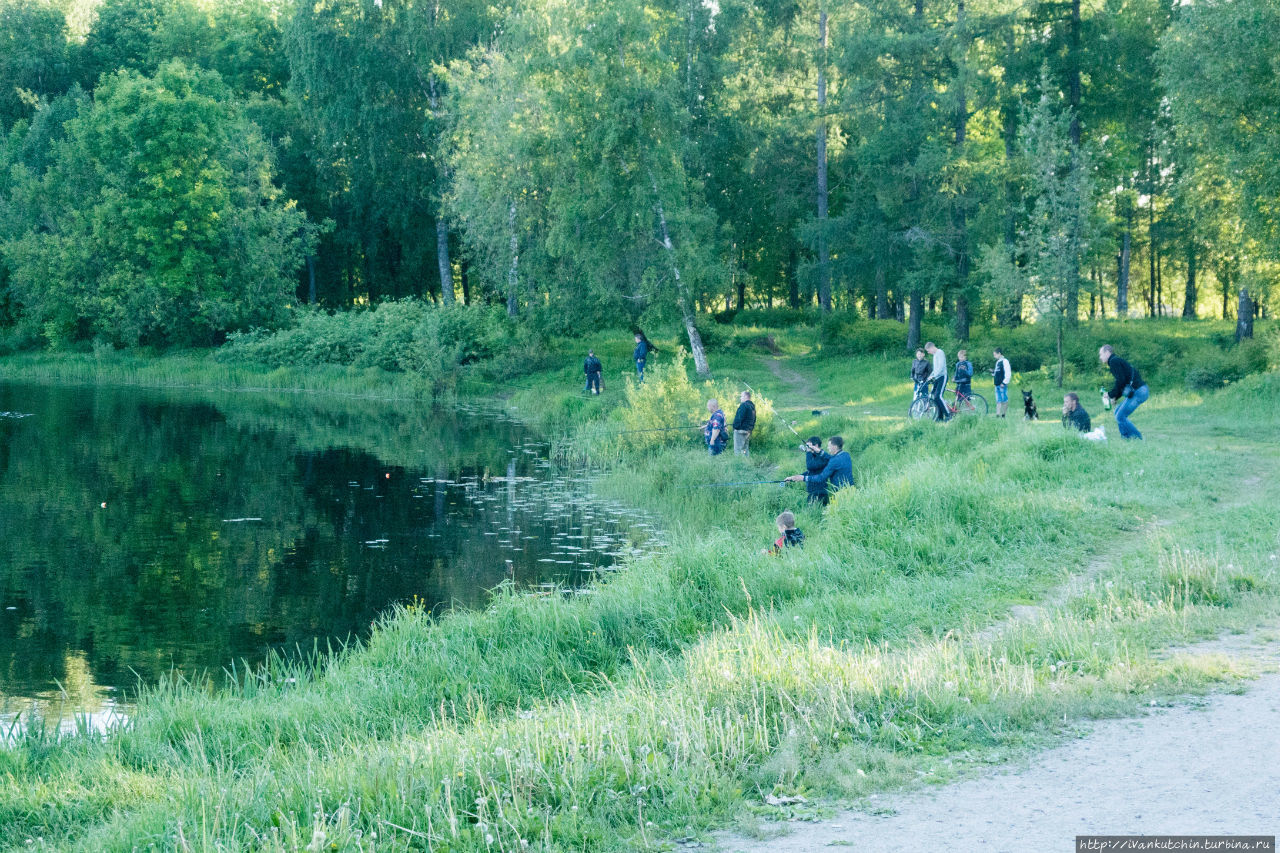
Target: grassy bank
700	677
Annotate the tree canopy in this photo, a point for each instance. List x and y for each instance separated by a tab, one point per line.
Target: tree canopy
172	170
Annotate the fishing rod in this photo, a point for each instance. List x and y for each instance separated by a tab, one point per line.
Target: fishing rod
742	483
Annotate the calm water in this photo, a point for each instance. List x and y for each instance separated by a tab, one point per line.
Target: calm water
142	532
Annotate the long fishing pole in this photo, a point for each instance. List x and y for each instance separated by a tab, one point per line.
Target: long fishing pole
742	483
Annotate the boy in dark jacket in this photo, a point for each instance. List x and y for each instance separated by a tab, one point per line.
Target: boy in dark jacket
964	373
791	537
920	371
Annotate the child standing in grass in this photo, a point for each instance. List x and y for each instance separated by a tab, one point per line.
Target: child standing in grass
964	374
920	371
791	537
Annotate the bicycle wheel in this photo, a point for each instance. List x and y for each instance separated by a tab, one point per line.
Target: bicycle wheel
974	404
922	407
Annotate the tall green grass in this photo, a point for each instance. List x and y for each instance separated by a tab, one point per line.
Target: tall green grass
711	672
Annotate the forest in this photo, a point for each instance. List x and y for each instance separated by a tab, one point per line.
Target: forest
175	172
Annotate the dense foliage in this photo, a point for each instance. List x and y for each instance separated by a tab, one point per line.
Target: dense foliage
169	167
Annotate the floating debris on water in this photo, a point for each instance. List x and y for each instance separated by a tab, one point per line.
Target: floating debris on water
234	520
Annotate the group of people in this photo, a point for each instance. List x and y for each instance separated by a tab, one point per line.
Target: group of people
825	471
1128	393
716	434
594	369
930	377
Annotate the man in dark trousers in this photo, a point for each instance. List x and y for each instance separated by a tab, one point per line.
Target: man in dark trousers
838	472
744	421
593	368
1129	393
938	379
641	353
815	461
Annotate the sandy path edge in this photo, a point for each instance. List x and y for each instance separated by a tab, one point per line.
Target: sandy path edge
1208	767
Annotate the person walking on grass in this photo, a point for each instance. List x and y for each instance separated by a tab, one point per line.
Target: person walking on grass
744	422
938	379
594	370
1129	393
792	536
815	460
964	374
641	353
837	473
1002	374
713	430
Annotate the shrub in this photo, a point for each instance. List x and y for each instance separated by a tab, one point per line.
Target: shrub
405	336
667	398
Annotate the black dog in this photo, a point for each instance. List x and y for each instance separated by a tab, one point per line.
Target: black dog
1029	407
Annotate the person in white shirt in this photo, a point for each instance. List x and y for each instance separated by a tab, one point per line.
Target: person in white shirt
938	378
1002	374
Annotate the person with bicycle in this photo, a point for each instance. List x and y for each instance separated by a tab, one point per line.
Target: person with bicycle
920	372
1002	374
938	380
964	375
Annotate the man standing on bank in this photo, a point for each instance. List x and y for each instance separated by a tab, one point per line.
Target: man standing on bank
744	421
594	369
1129	393
1002	374
641	353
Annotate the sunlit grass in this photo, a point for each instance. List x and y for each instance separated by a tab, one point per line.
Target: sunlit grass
710	674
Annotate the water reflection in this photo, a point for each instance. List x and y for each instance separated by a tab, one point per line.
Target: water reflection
140	532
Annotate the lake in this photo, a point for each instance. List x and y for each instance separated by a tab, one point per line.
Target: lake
146	532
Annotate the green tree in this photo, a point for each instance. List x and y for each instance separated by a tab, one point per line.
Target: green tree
33	56
1058	230
156	220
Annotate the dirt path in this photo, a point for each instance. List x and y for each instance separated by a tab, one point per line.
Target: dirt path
1209	767
800	389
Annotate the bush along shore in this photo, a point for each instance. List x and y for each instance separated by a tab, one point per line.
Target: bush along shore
683	690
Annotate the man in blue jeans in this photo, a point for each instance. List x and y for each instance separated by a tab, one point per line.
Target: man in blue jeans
1129	393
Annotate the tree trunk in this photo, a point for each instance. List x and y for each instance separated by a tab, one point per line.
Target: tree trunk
1244	315
1122	274
442	255
882	294
961	223
1189	297
913	330
311	279
1062	365
682	297
824	256
513	271
464	270
793	281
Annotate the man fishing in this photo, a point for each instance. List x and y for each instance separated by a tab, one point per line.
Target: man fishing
815	462
714	430
838	472
594	370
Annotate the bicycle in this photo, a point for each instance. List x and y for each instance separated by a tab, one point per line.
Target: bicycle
960	404
965	404
922	405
